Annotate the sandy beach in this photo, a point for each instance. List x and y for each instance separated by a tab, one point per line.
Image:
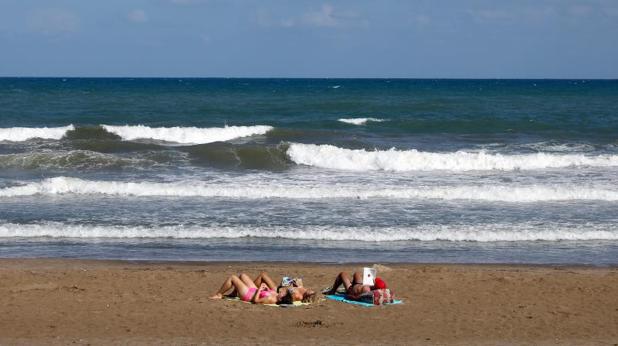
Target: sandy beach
114	302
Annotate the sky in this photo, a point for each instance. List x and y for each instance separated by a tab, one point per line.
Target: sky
332	39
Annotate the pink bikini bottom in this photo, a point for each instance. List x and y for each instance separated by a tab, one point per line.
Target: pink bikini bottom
249	295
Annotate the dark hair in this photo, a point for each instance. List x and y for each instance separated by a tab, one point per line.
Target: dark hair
287	298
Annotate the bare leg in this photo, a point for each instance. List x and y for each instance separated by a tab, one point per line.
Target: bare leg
264	278
247	280
342	278
357	287
244	278
231	282
357	278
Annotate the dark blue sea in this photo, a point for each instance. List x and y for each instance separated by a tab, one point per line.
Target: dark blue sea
318	170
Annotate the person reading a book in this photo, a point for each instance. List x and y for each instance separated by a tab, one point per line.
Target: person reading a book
354	286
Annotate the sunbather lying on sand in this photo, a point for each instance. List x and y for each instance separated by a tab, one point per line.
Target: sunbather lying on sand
263	290
354	287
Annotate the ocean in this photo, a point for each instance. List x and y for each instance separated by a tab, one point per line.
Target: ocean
312	170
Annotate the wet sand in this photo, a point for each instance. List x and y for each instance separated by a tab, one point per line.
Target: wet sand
114	302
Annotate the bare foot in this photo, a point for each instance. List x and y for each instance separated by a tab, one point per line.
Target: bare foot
217	296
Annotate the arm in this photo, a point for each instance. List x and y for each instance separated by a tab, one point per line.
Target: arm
259	300
269	299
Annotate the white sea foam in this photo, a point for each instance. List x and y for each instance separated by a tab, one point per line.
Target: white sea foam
187	135
360	121
477	233
258	190
19	134
332	157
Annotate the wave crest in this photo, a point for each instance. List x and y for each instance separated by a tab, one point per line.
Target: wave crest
332	157
258	190
20	134
186	135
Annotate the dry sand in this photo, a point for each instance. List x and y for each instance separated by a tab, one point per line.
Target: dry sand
112	302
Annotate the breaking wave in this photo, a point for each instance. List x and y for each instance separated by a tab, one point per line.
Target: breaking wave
181	135
19	134
187	135
476	233
258	190
332	157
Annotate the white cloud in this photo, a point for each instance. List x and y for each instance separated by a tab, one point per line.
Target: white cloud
325	17
542	12
539	14
265	19
53	22
137	16
530	14
490	14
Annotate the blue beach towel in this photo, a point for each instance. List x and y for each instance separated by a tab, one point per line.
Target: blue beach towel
341	298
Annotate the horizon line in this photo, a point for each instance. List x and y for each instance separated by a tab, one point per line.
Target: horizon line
348	78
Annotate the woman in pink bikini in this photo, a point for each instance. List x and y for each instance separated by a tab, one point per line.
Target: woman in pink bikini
262	290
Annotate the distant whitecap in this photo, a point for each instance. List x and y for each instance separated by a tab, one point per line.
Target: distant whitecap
360	121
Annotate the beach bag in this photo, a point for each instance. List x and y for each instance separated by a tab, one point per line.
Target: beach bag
377	297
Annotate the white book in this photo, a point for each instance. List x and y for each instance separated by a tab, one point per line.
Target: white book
369	275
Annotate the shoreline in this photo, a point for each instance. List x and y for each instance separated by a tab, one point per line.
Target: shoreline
292	263
61	301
